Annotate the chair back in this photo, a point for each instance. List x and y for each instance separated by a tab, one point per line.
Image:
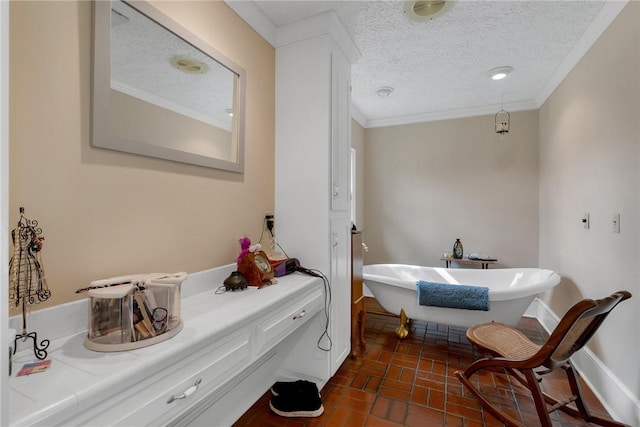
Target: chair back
578	326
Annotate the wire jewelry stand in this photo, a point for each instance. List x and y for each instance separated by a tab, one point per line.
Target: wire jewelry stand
27	283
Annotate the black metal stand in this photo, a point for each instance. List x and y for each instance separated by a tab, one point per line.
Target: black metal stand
39	350
28	284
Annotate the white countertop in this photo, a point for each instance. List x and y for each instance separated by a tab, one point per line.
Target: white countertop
79	378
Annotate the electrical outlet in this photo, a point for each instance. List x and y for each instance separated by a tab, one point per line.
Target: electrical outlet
585	221
269	222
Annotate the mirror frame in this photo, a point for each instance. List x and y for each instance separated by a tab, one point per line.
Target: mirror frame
101	95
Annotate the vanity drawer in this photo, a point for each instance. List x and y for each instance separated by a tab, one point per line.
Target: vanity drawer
273	328
220	364
198	375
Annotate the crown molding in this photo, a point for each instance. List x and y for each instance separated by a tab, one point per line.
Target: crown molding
357	115
456	113
323	23
252	15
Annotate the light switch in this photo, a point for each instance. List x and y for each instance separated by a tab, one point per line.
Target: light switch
585	221
616	222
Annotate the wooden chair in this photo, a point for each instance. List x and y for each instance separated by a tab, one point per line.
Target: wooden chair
518	356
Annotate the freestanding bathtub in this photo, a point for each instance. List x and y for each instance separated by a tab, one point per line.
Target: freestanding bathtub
511	291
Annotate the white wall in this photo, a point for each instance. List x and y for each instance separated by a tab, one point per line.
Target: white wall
427	184
4	207
590	162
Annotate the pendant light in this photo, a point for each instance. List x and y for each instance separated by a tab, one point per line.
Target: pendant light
502	120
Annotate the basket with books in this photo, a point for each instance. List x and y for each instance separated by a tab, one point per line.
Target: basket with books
134	311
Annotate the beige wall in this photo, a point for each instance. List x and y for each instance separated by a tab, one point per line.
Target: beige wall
427	184
138	120
107	213
590	162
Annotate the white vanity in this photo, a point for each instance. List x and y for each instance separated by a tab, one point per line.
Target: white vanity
232	348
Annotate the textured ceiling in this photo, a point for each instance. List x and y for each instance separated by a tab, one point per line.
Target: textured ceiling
440	68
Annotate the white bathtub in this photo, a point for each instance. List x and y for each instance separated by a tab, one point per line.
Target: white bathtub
511	291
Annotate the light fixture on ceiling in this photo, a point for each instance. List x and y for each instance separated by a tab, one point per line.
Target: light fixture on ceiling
188	65
500	73
421	11
229	111
385	91
502	120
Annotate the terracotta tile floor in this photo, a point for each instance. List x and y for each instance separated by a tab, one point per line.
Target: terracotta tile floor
411	382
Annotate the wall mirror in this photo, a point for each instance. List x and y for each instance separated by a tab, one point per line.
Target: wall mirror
161	91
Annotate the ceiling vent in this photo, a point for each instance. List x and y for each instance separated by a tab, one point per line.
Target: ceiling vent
421	11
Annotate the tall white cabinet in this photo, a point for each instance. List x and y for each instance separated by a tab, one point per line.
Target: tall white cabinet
312	206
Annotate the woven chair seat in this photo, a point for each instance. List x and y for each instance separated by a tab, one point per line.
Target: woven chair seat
502	340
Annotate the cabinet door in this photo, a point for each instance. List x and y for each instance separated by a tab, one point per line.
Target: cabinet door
340	291
340	132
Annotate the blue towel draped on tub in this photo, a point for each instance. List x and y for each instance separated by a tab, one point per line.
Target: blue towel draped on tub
453	296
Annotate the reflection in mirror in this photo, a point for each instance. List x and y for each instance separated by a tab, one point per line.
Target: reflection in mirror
161	91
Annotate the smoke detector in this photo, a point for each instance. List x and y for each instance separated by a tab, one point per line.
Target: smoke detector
421	11
385	91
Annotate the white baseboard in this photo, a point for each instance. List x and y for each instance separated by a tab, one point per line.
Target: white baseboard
621	404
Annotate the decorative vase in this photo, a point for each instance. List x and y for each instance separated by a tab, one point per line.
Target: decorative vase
457	249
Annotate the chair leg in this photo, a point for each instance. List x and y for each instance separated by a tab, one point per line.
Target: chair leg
529	379
464	379
538	397
583	411
576	391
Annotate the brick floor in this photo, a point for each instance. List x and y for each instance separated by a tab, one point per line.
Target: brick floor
411	382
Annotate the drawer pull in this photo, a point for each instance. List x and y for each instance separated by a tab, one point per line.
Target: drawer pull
188	392
299	315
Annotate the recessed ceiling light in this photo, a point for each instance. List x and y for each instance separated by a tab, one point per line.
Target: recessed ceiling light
189	65
426	10
229	111
385	91
500	73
